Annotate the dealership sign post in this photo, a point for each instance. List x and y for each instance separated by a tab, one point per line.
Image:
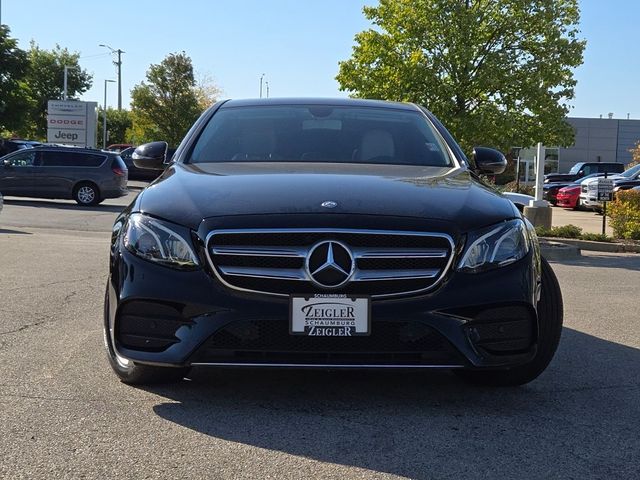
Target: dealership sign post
70	122
605	194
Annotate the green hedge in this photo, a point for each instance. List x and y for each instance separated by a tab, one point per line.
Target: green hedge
571	231
624	214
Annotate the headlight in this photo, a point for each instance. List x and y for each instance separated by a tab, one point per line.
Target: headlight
495	247
159	242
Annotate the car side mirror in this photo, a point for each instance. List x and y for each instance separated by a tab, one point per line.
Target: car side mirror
150	155
489	161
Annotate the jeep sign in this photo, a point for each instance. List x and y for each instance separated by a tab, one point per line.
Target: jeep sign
72	123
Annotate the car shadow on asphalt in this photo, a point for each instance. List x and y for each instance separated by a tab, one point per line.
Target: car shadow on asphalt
64	206
13	232
578	420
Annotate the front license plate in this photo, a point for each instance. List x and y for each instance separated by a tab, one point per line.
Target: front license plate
326	315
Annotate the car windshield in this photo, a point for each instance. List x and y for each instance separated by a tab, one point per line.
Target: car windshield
630	173
593	175
576	168
320	133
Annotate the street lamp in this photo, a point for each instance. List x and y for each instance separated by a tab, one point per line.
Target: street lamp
66	74
261	78
119	65
104	115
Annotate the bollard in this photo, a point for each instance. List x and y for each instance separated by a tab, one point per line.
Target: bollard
539	214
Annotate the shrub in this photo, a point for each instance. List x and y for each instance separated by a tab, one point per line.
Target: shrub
624	214
566	231
511	187
596	237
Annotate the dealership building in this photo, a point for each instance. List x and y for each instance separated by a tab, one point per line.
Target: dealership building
596	140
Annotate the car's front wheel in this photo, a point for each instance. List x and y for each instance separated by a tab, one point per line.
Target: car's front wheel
134	373
86	194
550	316
578	205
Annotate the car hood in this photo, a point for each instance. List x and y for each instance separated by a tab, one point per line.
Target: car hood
189	193
559	177
595	179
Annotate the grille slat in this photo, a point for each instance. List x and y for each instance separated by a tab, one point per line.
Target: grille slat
267	273
395	253
373	275
386	263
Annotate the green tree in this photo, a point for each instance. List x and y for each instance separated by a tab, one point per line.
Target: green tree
14	92
166	105
118	124
496	73
207	91
45	78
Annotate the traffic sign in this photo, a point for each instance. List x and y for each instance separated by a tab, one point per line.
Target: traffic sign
605	189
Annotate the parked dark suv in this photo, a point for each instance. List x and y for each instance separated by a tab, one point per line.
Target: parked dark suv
327	234
11	145
136	173
86	175
583	169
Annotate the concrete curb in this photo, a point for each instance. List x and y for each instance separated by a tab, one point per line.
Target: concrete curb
609	247
557	251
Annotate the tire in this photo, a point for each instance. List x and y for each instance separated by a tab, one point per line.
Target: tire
86	193
133	373
550	316
578	205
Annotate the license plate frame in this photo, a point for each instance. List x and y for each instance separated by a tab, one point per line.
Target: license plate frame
342	321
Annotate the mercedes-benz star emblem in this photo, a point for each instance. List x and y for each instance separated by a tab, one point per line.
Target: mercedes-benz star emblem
330	264
329	204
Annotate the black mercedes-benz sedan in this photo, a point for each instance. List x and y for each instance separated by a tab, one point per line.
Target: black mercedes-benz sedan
326	233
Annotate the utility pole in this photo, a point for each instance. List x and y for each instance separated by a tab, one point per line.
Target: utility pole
66	80
118	65
64	91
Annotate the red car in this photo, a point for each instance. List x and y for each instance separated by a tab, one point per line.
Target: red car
569	197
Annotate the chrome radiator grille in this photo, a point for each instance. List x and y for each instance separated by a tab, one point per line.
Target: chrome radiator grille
385	263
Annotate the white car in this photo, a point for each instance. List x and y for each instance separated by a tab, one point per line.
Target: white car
589	187
521	200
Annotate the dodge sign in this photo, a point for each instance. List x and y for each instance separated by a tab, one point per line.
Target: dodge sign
70	122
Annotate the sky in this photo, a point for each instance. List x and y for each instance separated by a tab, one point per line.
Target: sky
296	44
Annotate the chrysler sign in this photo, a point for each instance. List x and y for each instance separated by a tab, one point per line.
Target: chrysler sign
70	122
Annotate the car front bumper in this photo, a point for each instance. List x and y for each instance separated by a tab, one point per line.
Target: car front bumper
160	316
589	201
567	201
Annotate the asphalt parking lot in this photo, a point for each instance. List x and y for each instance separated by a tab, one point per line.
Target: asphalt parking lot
588	220
63	414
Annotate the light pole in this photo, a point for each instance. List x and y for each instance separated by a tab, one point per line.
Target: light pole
66	75
104	115
261	77
267	84
119	65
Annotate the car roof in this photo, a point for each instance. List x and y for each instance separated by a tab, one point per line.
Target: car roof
334	102
73	149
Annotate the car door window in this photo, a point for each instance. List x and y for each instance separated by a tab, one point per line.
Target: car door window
25	159
72	159
586	170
